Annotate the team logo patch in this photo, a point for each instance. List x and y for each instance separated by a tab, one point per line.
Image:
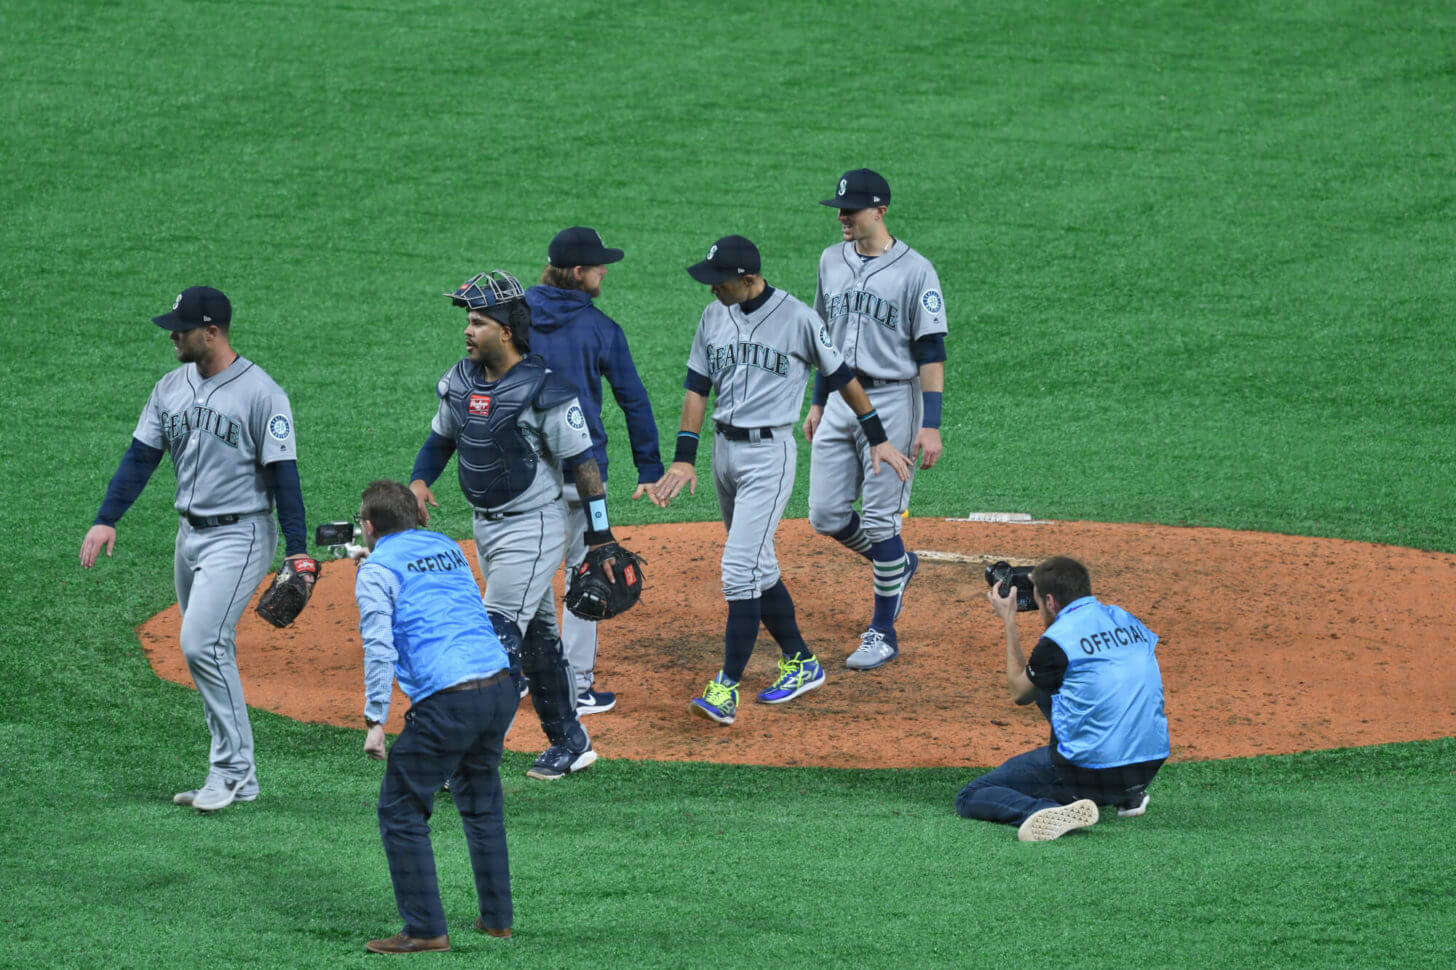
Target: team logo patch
480	405
712	252
843	186
931	300
279	427
824	336
177	302
575	418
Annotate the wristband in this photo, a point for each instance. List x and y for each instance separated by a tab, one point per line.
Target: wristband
873	428
687	448
595	537
932	409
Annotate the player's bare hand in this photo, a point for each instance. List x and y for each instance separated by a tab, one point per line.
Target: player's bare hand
374	743
927	447
1005	606
666	488
890	455
811	423
423	495
607	564
642	488
98	537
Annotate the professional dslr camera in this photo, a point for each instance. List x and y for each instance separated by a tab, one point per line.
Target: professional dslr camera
1018	576
341	538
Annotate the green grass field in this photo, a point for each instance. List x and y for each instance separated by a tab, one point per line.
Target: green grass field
1197	263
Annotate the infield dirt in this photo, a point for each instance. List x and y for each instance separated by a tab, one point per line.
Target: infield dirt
1269	644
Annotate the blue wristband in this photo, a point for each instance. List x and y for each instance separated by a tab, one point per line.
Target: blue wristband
687	448
932	409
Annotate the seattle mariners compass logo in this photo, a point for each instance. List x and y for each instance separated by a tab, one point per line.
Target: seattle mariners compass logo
279	427
931	300
575	418
824	336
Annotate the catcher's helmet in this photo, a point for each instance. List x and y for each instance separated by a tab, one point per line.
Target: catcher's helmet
486	290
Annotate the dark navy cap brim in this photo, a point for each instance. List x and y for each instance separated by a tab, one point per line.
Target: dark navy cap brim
852	202
708	274
174	323
611	256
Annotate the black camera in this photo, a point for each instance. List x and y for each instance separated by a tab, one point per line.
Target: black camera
1018	576
335	534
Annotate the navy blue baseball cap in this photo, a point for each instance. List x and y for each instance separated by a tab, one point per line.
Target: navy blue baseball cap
730	258
196	306
580	246
860	189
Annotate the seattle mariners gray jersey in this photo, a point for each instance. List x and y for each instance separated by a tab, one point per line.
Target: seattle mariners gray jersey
759	362
883	304
220	432
229	430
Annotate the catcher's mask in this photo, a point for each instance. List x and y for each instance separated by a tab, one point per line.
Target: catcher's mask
498	295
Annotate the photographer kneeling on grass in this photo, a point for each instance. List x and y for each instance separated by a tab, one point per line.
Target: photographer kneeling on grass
1094	676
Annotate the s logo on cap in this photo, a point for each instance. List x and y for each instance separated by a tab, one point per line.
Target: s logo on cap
712	252
177	302
843	186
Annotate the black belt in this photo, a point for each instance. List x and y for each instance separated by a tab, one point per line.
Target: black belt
210	521
497	516
744	434
866	381
478	684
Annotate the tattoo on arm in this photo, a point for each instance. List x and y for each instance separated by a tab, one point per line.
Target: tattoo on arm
588	478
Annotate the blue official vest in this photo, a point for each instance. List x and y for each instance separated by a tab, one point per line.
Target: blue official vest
441	631
1109	711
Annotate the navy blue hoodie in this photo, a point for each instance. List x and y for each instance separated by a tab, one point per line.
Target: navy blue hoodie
583	345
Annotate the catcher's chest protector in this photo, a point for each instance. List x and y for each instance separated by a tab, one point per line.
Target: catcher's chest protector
494	457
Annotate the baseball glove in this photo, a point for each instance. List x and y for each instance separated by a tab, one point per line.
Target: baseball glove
281	603
592	596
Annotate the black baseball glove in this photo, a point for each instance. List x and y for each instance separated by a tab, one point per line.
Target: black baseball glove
281	603
592	596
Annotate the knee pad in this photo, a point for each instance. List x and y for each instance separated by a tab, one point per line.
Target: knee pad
541	649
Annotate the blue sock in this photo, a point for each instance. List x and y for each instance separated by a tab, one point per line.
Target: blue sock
889	560
779	619
739	635
852	536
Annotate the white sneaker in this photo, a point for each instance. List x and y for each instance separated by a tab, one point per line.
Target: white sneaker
875	650
219	793
1053	823
1136	810
248	793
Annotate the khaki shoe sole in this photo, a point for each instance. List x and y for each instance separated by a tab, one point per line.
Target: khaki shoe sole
1053	823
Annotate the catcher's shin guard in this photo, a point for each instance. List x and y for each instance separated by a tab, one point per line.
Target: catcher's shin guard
553	691
510	638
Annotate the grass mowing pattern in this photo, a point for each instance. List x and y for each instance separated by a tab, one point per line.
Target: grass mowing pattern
1199	247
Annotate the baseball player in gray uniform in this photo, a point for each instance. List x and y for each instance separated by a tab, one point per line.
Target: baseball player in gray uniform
512	425
754	349
886	314
229	430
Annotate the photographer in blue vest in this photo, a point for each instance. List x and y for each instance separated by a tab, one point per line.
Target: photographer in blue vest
423	623
1094	675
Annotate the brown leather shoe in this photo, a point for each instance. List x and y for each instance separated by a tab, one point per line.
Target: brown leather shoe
399	943
480	927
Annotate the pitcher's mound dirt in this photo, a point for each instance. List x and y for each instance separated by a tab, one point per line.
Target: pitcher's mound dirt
1269	644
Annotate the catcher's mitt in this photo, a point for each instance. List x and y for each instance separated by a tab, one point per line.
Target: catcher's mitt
281	603
592	596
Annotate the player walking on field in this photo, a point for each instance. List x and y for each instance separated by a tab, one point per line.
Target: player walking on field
883	305
229	430
582	345
753	349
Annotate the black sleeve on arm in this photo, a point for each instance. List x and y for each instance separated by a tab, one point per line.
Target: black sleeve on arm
1046	666
834	381
929	349
288	496
820	395
433	457
131	477
697	383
